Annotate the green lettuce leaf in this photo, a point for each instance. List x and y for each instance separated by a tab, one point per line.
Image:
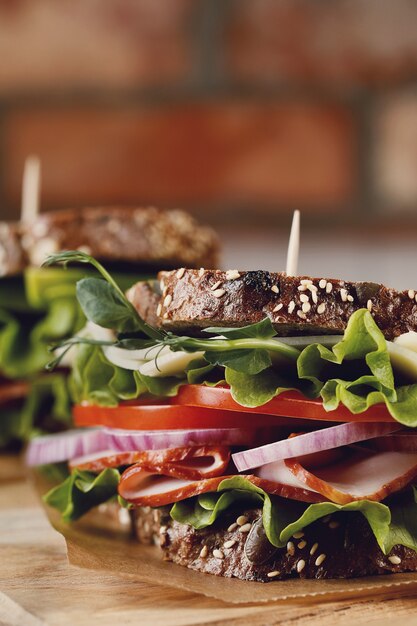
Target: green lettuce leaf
82	491
391	525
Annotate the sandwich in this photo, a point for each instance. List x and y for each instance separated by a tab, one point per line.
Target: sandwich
253	424
28	398
38	306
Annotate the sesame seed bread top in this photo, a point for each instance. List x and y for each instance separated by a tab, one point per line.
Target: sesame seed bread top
146	236
191	300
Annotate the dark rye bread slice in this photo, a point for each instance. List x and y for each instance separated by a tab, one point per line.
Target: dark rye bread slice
338	547
192	300
146	236
12	255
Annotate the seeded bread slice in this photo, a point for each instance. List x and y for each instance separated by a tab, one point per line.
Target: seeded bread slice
192	300
338	547
12	256
146	236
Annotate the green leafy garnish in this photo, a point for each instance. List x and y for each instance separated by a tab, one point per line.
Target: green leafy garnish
391	525
104	305
82	491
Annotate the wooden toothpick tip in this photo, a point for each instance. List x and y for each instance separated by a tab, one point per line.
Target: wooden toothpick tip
31	189
293	246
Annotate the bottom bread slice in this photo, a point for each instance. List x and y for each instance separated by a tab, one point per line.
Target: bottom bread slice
341	546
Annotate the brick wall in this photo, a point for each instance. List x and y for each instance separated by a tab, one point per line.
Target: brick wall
240	110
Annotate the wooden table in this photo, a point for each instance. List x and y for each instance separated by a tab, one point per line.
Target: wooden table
37	586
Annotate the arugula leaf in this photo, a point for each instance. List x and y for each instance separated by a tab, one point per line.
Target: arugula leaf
82	491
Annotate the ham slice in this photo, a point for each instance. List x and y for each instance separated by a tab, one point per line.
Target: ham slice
142	487
184	463
361	474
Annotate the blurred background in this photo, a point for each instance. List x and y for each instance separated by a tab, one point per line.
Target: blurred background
238	110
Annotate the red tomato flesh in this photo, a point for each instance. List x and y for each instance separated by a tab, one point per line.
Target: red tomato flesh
197	406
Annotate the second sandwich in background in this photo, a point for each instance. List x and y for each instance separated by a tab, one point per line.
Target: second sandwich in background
38	305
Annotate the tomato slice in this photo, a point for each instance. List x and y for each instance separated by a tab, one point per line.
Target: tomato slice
174	417
197	406
288	404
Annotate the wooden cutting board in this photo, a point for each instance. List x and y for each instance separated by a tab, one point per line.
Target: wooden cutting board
37	586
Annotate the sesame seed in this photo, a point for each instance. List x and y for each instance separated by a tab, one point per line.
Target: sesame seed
163	530
411	294
301	565
232	275
201	271
216	285
290	548
314	548
298	534
369	305
320	560
312	288
291	306
204	552
162	285
395	560
314	297
323	283
229	544
334	524
302	288
415	298
180	273
165	291
159	309
302	544
329	287
301	314
343	295
304	297
306	281
245	528
350	298
218	554
232	527
273	574
278	308
306	307
275	288
218	293
321	308
165	315
167	300
242	520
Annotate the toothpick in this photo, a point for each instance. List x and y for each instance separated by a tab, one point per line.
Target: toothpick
31	189
293	245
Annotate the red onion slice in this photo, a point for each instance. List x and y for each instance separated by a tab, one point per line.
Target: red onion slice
128	440
83	442
308	443
64	446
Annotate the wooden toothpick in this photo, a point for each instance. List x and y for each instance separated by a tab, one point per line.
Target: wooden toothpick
293	246
31	189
